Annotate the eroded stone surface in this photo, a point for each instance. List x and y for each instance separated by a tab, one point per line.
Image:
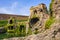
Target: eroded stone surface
38	17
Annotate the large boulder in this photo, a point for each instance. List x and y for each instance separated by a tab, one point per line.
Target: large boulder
39	15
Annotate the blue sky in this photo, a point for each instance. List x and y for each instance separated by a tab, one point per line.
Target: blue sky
20	7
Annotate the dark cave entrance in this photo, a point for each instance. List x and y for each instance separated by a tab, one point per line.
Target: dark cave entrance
34	20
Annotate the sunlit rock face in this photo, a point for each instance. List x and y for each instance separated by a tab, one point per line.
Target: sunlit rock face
39	15
55	7
52	33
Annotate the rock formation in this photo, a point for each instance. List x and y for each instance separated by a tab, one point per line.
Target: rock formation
39	15
55	8
53	33
50	34
37	21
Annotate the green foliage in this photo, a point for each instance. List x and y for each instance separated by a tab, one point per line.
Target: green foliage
49	22
3	36
8	35
17	32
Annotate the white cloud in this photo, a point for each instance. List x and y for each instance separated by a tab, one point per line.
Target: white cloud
12	9
3	10
24	10
9	10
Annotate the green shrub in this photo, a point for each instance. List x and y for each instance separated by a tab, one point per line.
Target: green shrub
49	22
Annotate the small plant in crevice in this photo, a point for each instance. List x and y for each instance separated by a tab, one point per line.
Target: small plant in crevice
49	22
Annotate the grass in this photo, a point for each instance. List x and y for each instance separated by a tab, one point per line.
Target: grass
5	35
21	20
8	35
3	23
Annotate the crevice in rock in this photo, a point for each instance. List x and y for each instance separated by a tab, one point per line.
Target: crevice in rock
34	20
54	34
59	30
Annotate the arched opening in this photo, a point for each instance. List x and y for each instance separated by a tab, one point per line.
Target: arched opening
34	20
